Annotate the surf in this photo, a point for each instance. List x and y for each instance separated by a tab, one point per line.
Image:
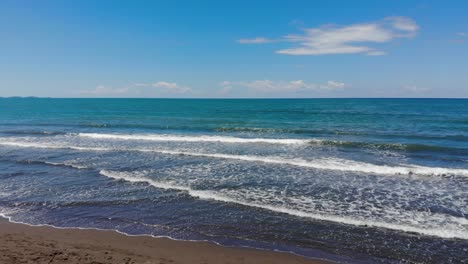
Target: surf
334	164
213	195
201	138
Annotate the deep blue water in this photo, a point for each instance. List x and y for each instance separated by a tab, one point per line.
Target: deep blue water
353	180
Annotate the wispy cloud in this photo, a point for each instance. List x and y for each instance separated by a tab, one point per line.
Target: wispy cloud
255	41
226	88
415	89
376	53
104	90
170	87
404	24
295	86
138	88
355	38
461	38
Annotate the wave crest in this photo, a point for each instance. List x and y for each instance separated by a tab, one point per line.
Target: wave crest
333	164
203	138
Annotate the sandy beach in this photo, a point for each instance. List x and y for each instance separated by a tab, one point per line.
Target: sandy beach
21	243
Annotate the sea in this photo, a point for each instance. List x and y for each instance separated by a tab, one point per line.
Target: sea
347	180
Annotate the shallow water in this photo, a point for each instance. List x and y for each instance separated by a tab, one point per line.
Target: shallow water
371	180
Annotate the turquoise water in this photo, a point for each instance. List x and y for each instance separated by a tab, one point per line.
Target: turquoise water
354	180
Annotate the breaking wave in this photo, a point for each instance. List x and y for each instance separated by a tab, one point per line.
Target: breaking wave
334	164
180	138
213	195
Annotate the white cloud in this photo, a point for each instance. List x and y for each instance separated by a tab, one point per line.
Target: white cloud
138	88
104	90
403	23
166	85
170	87
462	34
255	41
331	39
295	86
225	83
333	85
226	88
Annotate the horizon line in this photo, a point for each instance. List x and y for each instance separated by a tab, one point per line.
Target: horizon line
225	98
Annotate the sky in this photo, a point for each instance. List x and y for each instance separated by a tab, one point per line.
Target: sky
234	49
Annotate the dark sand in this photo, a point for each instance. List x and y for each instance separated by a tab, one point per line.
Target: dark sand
30	244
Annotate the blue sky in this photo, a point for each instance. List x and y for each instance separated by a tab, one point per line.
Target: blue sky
234	49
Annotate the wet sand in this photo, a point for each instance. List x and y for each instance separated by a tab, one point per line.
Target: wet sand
31	244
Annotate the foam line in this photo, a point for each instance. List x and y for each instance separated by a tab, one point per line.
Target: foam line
321	164
331	164
76	166
202	138
210	195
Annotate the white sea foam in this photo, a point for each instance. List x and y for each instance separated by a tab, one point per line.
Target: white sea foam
331	164
334	164
76	166
443	232
50	146
201	138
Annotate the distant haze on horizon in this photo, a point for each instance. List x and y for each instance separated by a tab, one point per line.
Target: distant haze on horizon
243	49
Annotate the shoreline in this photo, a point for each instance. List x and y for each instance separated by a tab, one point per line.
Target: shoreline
23	243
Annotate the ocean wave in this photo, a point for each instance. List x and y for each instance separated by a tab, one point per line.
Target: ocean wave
333	164
48	146
391	146
32	132
242	140
64	164
253	130
67	164
285	141
335	132
202	138
212	195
